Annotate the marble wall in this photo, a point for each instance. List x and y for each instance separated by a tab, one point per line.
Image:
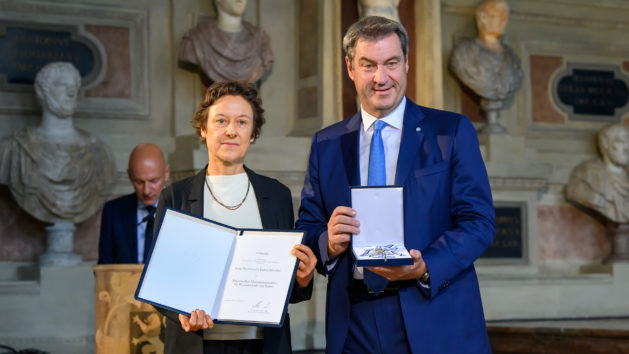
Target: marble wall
568	232
23	238
156	99
544	142
126	100
142	95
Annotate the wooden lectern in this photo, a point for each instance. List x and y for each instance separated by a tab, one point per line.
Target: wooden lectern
123	324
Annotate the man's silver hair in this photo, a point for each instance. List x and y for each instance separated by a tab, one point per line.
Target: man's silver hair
373	28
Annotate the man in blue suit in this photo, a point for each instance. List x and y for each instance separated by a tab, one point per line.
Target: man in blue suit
126	227
434	305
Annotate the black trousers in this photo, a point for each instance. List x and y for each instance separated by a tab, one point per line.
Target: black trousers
244	346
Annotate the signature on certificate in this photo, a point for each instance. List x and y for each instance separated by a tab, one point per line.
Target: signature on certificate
261	304
260	307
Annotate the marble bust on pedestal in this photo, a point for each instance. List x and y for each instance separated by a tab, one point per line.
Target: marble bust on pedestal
227	48
602	184
485	64
57	173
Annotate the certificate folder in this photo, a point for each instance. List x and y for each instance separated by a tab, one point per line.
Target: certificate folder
380	211
236	276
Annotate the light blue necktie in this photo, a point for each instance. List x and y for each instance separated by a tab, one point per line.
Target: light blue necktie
377	177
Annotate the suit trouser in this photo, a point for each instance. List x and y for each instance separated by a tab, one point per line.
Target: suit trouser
251	346
376	324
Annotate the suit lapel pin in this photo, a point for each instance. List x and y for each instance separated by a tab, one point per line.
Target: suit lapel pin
418	129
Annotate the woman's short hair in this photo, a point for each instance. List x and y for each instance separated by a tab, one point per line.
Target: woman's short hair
230	88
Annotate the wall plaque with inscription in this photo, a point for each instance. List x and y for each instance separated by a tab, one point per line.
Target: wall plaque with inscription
107	44
588	92
26	48
509	246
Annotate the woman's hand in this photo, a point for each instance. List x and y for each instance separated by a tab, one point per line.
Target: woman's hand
307	262
198	320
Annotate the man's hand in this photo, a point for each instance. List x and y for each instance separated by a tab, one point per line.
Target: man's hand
307	262
394	273
197	320
340	229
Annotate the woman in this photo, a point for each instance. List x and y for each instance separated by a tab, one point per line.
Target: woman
228	120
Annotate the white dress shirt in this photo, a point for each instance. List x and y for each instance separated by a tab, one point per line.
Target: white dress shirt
391	138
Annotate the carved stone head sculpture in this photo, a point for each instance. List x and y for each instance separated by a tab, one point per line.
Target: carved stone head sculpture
602	183
57	87
491	19
55	172
383	8
613	144
234	8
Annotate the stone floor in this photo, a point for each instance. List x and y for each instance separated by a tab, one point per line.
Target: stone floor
620	323
593	335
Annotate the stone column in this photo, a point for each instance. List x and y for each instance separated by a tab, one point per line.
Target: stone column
428	65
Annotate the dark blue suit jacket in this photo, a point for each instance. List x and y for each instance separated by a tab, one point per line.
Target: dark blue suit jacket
118	236
448	216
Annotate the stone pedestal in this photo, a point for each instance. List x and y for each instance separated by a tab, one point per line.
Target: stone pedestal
492	113
618	235
60	246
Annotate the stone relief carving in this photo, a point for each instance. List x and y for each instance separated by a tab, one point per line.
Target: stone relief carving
227	48
486	65
128	325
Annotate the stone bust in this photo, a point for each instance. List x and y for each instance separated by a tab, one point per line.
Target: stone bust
602	183
485	64
55	172
227	48
384	8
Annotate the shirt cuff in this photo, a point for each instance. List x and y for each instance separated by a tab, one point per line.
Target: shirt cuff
424	287
423	284
330	266
323	252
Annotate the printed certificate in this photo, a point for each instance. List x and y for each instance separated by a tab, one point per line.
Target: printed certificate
236	276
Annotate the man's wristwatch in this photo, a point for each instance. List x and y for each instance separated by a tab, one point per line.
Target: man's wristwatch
425	278
424	281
